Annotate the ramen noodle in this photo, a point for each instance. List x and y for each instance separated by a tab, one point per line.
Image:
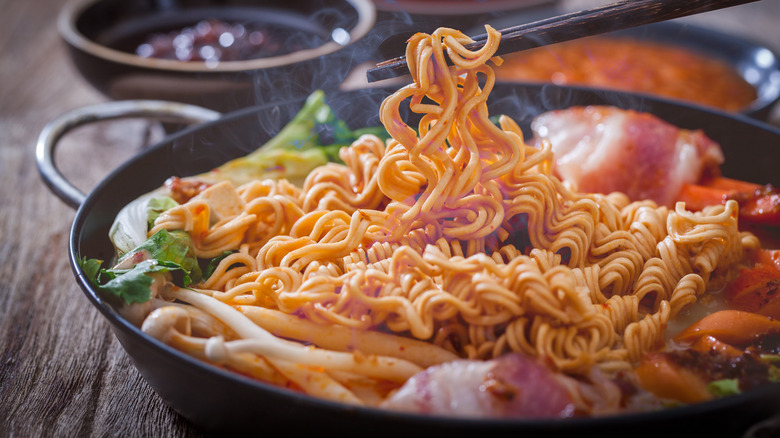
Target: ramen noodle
452	240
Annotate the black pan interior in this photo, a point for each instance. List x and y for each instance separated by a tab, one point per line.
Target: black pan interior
227	403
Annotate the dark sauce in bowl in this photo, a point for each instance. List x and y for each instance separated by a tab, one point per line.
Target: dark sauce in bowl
221	54
215	40
214	35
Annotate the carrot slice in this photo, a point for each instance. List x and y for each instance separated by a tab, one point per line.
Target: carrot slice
732	185
757	204
697	197
658	374
708	343
769	257
756	290
760	207
734	327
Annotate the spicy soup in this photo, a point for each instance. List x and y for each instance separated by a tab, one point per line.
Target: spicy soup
632	65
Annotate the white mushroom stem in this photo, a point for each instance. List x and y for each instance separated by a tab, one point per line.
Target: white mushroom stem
164	322
256	340
334	337
136	312
172	324
316	383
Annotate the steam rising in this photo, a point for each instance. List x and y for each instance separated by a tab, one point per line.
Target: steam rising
279	93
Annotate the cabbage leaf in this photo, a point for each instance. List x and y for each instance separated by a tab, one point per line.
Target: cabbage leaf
130	280
311	139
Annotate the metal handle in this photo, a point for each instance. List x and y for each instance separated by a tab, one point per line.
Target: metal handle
55	129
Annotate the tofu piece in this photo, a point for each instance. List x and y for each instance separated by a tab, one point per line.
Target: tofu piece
223	201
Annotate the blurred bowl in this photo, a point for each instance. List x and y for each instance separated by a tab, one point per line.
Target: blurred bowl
755	63
316	51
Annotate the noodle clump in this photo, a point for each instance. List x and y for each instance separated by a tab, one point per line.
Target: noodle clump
451	240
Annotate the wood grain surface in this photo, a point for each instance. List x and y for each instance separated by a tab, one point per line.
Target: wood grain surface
62	372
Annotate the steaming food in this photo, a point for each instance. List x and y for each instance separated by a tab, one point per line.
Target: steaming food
633	65
449	267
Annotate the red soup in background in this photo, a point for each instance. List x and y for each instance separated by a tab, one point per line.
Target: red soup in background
632	65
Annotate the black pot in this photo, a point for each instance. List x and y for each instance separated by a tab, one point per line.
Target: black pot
227	403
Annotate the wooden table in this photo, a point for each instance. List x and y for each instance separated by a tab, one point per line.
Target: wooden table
62	372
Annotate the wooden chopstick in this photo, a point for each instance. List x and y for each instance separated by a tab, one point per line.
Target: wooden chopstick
607	18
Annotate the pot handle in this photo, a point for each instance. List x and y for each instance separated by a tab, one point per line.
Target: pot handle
55	129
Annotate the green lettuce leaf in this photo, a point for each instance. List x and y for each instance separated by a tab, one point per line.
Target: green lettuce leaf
213	263
156	207
164	252
133	285
91	268
312	138
774	373
169	246
724	387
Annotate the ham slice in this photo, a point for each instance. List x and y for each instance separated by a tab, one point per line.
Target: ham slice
512	386
603	149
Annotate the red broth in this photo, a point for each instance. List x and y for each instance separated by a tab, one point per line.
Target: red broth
632	65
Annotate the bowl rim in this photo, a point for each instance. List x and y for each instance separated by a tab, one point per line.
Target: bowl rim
66	24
